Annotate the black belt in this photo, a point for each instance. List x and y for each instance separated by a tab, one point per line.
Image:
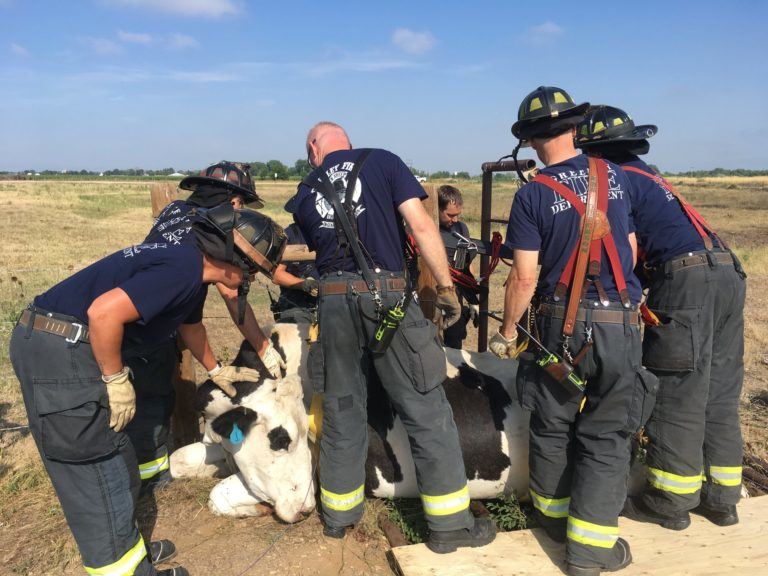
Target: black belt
55	324
598	315
695	259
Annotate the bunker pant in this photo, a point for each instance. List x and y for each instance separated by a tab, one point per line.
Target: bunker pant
697	351
92	468
411	372
153	367
579	457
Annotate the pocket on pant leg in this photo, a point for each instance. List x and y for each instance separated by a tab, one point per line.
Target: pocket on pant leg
672	345
643	400
421	355
316	367
527	381
74	419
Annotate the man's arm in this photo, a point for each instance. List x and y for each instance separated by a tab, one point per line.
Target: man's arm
250	328
107	317
633	245
428	239
285	279
196	339
520	287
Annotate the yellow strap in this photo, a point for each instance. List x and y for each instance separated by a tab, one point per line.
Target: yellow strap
592	534
552	507
126	566
315	418
725	475
149	469
674	483
446	504
342	502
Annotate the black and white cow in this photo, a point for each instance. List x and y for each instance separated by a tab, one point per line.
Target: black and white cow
480	389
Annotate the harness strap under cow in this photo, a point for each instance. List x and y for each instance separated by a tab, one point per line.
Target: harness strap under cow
702	227
584	261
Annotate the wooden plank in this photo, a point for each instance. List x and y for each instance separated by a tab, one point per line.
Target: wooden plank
162	194
427	288
702	549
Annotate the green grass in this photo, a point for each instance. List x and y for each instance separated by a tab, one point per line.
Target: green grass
507	513
408	515
100	206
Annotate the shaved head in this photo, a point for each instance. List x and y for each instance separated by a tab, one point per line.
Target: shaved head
324	138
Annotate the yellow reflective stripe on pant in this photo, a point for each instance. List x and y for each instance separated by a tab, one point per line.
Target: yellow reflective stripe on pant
552	507
126	565
668	482
725	475
592	534
447	503
342	502
152	468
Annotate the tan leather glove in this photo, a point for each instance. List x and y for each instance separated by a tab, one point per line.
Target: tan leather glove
448	303
503	347
273	362
310	286
225	376
122	398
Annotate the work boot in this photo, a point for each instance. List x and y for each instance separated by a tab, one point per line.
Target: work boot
177	571
622	558
556	528
636	509
161	551
482	532
724	515
337	532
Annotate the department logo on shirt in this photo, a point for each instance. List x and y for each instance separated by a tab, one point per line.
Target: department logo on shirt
338	175
578	181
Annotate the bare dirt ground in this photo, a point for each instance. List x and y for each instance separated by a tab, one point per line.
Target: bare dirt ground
51	229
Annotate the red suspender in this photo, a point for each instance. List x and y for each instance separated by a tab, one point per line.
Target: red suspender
701	225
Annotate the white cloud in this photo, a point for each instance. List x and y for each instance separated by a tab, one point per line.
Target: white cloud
18	50
543	34
134	37
182	41
413	42
101	46
203	8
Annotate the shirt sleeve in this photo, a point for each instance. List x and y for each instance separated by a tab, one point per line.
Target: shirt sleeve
522	230
629	199
196	315
404	183
298	215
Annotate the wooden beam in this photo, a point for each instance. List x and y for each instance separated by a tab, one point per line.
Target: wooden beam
162	194
427	287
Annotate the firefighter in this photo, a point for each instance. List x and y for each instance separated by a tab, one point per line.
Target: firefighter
370	323
153	364
585	310
693	340
66	351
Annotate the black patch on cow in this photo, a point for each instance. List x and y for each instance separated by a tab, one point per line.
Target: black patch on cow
472	396
381	419
279	439
242	416
204	395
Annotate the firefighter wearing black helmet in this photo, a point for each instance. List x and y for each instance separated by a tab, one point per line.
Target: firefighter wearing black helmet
573	219
220	184
67	352
693	340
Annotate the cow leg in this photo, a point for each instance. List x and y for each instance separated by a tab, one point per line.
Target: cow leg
199	460
231	497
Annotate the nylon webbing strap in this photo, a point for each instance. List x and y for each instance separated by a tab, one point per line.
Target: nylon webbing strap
701	225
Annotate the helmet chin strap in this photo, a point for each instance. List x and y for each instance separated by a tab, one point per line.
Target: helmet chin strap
242	295
517	166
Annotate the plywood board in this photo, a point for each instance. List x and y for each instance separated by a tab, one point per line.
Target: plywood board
702	549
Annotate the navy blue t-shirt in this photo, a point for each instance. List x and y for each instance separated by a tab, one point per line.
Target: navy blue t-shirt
542	220
663	229
172	225
164	282
384	183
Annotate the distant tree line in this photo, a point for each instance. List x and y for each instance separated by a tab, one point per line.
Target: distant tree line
719	172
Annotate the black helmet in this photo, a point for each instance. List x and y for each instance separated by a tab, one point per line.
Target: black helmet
243	237
610	127
232	177
547	111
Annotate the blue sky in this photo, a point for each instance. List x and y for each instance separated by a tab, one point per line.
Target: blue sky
102	84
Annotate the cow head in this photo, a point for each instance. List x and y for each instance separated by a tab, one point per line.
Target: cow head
264	430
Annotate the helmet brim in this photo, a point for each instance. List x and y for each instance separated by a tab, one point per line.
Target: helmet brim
642	132
192	183
576	114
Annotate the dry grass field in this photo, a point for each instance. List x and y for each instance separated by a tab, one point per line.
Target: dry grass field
50	229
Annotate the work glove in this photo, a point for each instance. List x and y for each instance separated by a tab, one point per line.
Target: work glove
225	376
474	314
122	398
503	347
310	286
273	362
448	303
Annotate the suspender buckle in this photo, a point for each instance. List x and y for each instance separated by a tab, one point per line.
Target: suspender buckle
711	260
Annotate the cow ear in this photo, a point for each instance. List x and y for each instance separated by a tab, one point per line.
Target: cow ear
234	424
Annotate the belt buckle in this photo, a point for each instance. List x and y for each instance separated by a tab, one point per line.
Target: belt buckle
78	333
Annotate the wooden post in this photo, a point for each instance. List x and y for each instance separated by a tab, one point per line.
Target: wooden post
185	423
427	288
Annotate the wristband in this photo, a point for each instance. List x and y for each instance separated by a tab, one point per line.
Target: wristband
215	370
112	377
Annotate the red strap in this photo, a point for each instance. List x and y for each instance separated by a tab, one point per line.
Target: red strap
693	215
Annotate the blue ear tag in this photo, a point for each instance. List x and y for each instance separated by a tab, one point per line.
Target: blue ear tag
236	436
